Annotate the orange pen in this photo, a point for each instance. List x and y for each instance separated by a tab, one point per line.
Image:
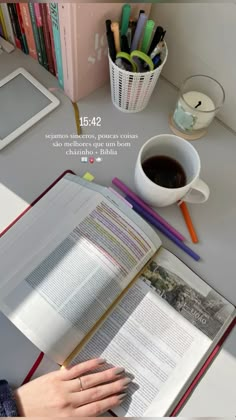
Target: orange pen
188	221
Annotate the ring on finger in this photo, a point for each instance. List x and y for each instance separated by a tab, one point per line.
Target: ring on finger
81	385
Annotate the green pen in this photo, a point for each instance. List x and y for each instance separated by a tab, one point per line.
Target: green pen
125	19
147	35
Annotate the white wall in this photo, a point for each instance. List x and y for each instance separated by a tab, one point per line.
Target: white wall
201	39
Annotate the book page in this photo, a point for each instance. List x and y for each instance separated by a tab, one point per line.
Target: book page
158	346
74	253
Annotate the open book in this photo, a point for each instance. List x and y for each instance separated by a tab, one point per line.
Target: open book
83	276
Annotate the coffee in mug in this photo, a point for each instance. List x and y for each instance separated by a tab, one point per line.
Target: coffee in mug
168	170
164	171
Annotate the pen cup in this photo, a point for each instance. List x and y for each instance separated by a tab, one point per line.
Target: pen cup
131	91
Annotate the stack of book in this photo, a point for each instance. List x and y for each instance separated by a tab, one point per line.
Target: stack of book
59	37
34	28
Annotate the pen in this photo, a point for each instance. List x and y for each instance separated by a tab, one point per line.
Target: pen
108	25
147	35
162	229
188	221
129	37
125	19
124	44
116	34
111	45
138	32
157	37
157	49
126	190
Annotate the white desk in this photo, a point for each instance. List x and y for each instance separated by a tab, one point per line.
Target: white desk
31	163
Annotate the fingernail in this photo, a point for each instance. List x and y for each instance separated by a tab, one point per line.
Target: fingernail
101	361
122	396
119	370
126	381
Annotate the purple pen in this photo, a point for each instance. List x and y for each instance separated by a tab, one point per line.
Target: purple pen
119	184
162	229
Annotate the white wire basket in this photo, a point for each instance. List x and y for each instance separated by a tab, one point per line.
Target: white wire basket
130	92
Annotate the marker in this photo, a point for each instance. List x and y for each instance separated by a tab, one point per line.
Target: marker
138	32
108	25
116	34
125	19
124	44
157	37
147	35
111	45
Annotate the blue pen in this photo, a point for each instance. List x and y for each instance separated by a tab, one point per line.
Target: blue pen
156	60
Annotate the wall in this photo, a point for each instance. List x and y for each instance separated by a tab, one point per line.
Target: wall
201	39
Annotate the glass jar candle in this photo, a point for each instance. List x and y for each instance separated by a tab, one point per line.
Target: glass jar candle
200	98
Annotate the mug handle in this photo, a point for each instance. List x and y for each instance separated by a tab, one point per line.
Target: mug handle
198	193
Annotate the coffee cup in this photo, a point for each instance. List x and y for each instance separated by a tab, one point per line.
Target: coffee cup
150	180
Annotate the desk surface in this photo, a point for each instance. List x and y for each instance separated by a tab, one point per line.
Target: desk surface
32	162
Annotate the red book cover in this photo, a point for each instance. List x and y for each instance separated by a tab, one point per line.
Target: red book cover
15	25
51	38
46	34
28	30
22	29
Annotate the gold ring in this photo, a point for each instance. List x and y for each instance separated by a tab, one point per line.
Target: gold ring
81	387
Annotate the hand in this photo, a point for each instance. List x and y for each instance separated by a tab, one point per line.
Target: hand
59	394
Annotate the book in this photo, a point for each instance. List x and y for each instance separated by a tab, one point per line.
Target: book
7	19
98	283
22	29
15	25
46	34
3	24
57	41
51	39
24	8
39	24
36	34
84	46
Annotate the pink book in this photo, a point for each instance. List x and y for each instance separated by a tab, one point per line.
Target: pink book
51	38
84	44
28	29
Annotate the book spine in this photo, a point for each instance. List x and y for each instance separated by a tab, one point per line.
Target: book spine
43	10
38	18
28	30
66	27
35	32
51	38
10	33
22	29
4	28
15	25
57	42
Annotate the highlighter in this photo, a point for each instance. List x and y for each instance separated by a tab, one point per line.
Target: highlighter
115	30
125	19
147	35
138	32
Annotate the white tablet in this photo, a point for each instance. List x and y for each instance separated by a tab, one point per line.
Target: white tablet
23	102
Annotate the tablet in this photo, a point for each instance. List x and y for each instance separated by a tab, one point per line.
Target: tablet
23	102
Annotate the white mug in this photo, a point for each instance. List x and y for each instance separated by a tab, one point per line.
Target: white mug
195	190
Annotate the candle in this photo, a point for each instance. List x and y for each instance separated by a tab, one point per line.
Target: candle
189	113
